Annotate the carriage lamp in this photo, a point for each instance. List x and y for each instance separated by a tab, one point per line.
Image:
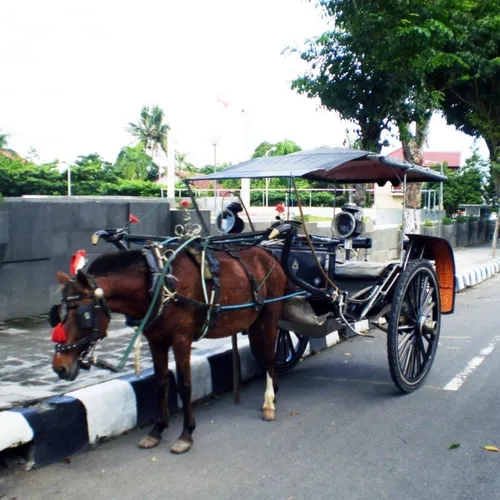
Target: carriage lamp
228	221
349	222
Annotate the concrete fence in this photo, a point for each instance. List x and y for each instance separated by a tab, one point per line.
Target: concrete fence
38	236
462	234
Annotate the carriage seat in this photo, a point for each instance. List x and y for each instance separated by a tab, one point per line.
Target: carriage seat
320	240
358	269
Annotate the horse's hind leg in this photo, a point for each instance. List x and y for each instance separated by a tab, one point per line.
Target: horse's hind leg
182	353
159	353
262	335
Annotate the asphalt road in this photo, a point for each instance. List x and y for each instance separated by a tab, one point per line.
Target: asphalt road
342	432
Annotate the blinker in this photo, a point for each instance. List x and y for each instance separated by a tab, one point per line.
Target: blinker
54	318
84	316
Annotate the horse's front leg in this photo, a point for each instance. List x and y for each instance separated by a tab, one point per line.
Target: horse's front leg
159	353
182	354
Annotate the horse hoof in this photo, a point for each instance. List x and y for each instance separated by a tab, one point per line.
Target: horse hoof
148	442
268	415
181	446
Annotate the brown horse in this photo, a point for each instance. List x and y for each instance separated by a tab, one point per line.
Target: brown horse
121	282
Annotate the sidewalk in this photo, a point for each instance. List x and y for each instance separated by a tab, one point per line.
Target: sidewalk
30	391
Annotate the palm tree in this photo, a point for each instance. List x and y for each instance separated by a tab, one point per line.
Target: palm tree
182	165
3	140
150	130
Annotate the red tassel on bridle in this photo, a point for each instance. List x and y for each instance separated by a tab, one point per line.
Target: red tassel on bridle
59	334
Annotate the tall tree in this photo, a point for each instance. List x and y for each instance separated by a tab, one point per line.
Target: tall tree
133	163
151	130
280	148
416	37
346	79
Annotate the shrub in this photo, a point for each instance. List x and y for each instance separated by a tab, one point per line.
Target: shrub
447	221
428	223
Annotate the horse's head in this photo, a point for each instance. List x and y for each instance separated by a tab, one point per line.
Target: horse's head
79	321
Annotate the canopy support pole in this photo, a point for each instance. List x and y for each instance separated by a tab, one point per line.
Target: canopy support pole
401	243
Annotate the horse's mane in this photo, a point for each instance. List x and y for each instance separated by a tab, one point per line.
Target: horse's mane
111	263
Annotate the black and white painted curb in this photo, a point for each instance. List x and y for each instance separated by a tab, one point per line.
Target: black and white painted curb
477	275
58	427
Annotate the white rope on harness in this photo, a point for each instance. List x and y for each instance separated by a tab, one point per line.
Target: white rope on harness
167	296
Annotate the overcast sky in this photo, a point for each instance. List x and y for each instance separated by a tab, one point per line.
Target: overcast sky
76	72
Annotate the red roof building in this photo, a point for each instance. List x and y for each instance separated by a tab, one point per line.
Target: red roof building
452	158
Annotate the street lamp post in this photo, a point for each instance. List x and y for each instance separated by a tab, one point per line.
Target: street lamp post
266	154
61	166
215	171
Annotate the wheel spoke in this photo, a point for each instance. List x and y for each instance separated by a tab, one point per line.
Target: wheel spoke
413	297
427	300
423	352
290	348
406	328
406	352
411	361
423	294
409	303
429	308
404	341
418	358
411	368
280	348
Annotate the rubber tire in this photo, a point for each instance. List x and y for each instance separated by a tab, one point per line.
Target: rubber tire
287	366
413	268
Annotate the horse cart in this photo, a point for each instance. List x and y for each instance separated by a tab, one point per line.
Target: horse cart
281	284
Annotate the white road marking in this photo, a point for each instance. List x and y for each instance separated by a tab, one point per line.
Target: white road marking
456	382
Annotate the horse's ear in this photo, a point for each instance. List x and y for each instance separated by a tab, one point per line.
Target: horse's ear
63	278
83	279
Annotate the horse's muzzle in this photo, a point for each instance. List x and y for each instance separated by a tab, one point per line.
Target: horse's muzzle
67	373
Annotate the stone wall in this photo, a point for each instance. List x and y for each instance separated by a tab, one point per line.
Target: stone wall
41	235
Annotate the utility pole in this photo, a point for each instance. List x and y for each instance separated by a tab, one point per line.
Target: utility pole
215	171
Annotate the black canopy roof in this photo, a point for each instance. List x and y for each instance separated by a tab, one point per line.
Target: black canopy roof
335	165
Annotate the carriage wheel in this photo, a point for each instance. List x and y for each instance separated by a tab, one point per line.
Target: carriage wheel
414	324
290	347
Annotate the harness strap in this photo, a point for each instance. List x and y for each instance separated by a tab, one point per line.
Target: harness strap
259	301
212	304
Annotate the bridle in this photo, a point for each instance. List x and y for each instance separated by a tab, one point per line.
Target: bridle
87	316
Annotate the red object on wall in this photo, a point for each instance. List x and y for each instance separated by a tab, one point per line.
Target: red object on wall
133	219
78	260
59	334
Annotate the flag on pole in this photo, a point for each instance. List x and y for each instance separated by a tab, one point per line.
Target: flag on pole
221	101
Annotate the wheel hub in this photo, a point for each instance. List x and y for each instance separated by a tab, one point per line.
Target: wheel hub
427	326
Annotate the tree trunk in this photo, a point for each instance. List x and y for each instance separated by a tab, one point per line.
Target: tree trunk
369	141
359	195
413	151
494	151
